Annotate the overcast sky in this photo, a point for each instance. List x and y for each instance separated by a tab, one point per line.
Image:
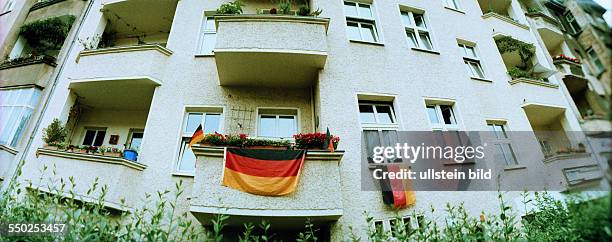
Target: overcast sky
607	4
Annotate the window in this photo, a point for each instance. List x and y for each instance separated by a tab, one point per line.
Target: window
442	117
379	126
94	136
569	17
417	30
135	139
454	4
502	142
472	61
16	108
8	6
599	67
208	37
277	123
211	123
360	22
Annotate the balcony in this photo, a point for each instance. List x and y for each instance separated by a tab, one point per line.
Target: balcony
501	16
270	50
115	62
318	195
50	8
29	70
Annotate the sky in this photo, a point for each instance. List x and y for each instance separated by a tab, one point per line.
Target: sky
607	4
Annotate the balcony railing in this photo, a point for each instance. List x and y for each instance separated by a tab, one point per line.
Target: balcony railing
270	50
44	3
28	60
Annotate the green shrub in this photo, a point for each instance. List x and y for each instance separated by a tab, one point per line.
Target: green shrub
284	7
55	133
516	72
234	7
303	10
48	34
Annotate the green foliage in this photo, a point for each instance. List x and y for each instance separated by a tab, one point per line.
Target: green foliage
516	72
533	10
525	51
55	133
48	34
234	7
284	7
303	10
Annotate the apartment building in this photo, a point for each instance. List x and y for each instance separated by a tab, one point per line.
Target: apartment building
143	76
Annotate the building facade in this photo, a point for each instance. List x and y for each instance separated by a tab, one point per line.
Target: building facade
143	76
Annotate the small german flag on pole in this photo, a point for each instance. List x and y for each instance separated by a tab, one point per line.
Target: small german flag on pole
197	136
328	143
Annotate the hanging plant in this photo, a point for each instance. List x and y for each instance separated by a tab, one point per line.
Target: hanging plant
48	34
525	51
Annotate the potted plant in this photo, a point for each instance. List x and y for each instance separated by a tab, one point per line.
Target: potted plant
284	7
314	140
234	7
54	134
273	11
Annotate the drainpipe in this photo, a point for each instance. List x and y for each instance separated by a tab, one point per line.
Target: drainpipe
59	70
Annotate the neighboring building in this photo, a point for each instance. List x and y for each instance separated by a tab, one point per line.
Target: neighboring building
27	71
143	76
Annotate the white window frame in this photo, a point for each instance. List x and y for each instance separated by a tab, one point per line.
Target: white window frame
183	144
570	18
441	126
203	32
97	130
453	4
376	122
131	136
8	6
594	59
362	20
296	118
506	140
25	105
417	30
468	60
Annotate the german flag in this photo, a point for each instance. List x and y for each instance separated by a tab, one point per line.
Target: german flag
197	136
397	192
263	172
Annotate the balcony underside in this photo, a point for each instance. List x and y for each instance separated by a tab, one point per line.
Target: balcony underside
542	114
240	67
123	94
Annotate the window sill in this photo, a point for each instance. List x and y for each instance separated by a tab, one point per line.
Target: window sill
481	79
514	167
366	42
379	126
9	149
204	55
454	9
426	50
183	174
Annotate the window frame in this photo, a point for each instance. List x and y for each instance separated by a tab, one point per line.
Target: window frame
594	58
442	126
417	30
506	140
296	122
467	60
96	130
202	32
375	112
570	18
8	6
361	20
456	3
28	104
183	143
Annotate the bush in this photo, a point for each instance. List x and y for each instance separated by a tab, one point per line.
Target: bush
234	7
48	34
55	133
284	7
303	11
516	73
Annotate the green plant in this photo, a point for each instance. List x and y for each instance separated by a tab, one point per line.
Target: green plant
48	34
516	72
284	7
55	133
234	7
316	13
303	10
533	10
526	51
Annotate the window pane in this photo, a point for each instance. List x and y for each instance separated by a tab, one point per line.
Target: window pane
136	141
350	8
209	41
433	115
286	126
99	138
212	123
188	159
193	121
508	154
469	69
34	98
447	114
425	40
371	139
477	69
9	126
470	51
452	4
419	20
500	131
89	137
352	30
406	19
22	124
384	114
366	114
412	41
369	32
267	124
364	11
